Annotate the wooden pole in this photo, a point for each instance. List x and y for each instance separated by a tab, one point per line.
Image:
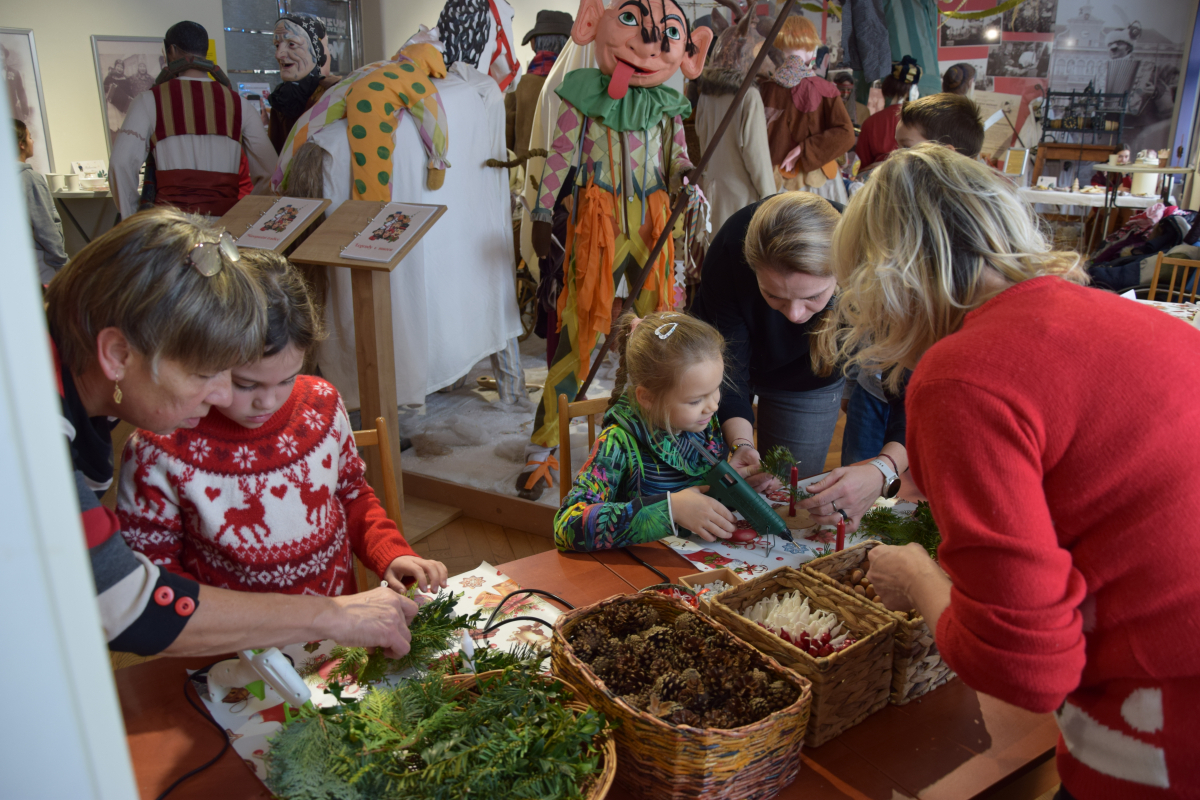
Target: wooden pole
635	287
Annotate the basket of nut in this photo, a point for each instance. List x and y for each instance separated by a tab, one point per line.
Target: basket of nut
917	666
839	641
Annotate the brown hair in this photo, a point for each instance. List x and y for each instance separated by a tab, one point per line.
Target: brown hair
790	232
949	119
914	250
655	361
957	79
21	132
797	33
292	316
136	278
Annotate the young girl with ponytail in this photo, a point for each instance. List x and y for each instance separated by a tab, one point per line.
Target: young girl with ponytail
643	478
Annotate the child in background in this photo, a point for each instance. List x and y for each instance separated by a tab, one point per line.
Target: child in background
642	479
48	245
268	494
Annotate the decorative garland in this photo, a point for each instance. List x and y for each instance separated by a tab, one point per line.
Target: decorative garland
1007	5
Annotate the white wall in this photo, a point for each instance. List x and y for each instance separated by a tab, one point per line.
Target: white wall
62	30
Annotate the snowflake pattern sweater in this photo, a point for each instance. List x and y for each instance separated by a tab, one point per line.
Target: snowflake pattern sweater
279	508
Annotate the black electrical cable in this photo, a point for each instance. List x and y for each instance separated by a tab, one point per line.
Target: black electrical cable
491	628
504	600
656	571
211	721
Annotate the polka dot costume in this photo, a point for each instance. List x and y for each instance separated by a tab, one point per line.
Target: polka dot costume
373	105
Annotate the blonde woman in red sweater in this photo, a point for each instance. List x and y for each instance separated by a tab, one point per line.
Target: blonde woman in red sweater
1054	429
268	493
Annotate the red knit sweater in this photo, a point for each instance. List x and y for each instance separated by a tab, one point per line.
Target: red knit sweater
278	508
1057	436
877	138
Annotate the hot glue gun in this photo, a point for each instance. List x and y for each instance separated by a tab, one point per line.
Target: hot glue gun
731	490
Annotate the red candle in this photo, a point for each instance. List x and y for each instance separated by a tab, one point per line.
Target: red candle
792	499
841	535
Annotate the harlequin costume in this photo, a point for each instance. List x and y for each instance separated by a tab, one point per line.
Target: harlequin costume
628	153
621	496
278	508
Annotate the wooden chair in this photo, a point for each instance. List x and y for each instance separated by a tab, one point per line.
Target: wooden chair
1175	263
391	498
592	409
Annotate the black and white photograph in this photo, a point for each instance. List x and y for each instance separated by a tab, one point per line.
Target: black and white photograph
970	32
1032	16
26	102
126	66
1019	60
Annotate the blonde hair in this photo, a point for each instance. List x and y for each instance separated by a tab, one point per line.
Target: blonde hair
656	362
790	232
912	253
797	33
292	315
136	278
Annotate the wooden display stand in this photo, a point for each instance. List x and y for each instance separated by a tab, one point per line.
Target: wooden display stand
371	284
249	210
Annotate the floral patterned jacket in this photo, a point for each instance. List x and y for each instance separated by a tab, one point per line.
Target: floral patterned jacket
620	496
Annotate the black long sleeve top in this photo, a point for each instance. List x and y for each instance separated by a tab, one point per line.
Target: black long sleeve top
764	349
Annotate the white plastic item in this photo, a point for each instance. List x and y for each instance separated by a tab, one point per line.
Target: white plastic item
1144	183
281	681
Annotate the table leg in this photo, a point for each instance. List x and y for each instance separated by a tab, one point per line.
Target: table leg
67	211
376	355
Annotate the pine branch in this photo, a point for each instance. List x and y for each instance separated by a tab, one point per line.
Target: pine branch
891	528
779	462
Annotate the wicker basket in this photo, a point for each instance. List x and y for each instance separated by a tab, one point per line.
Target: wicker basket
917	666
661	761
603	780
847	686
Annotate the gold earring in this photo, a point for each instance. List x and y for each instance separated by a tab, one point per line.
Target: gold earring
117	394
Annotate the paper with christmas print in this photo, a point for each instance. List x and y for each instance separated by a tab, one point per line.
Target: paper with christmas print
764	553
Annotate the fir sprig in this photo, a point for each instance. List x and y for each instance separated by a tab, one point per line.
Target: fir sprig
779	462
892	528
433	631
426	740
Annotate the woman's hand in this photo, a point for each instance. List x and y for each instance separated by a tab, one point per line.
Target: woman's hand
748	463
852	489
429	575
901	575
701	514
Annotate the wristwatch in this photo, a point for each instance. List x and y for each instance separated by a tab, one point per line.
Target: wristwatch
891	481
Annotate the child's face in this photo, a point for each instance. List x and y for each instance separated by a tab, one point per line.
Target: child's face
693	401
260	389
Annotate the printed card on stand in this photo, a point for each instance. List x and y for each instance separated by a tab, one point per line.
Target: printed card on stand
287	215
388	232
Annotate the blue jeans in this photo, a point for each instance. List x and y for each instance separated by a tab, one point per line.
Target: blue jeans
866	427
803	422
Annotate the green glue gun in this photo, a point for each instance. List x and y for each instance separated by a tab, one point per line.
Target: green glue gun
730	489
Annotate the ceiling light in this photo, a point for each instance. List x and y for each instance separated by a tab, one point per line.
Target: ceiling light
993	33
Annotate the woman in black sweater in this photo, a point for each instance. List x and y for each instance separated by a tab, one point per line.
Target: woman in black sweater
766	286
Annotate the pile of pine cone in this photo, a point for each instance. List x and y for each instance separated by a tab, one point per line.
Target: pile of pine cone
685	672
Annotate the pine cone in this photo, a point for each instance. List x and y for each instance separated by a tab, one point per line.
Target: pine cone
656	665
683	716
638	700
689	625
669	686
717	718
658	635
780	694
760	707
603	667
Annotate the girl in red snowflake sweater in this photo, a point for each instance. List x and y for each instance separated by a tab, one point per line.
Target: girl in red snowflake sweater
266	494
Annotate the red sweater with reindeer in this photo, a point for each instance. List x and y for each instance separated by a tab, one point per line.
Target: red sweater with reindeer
278	508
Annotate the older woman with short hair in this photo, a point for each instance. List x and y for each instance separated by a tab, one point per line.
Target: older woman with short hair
1053	428
145	324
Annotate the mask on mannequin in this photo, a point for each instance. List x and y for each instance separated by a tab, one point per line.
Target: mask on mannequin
640	42
300	44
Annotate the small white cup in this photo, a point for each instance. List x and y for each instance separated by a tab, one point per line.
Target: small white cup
56	181
73	182
1112	160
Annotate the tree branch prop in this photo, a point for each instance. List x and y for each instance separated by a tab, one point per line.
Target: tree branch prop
635	288
537	152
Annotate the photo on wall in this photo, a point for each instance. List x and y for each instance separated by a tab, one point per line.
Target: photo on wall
970	32
1019	60
1032	16
126	66
23	81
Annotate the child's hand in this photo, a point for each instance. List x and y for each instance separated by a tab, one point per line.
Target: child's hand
759	479
701	514
429	575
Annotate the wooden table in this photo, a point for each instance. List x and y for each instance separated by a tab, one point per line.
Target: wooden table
951	744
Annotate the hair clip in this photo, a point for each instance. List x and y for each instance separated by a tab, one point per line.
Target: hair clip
669	328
